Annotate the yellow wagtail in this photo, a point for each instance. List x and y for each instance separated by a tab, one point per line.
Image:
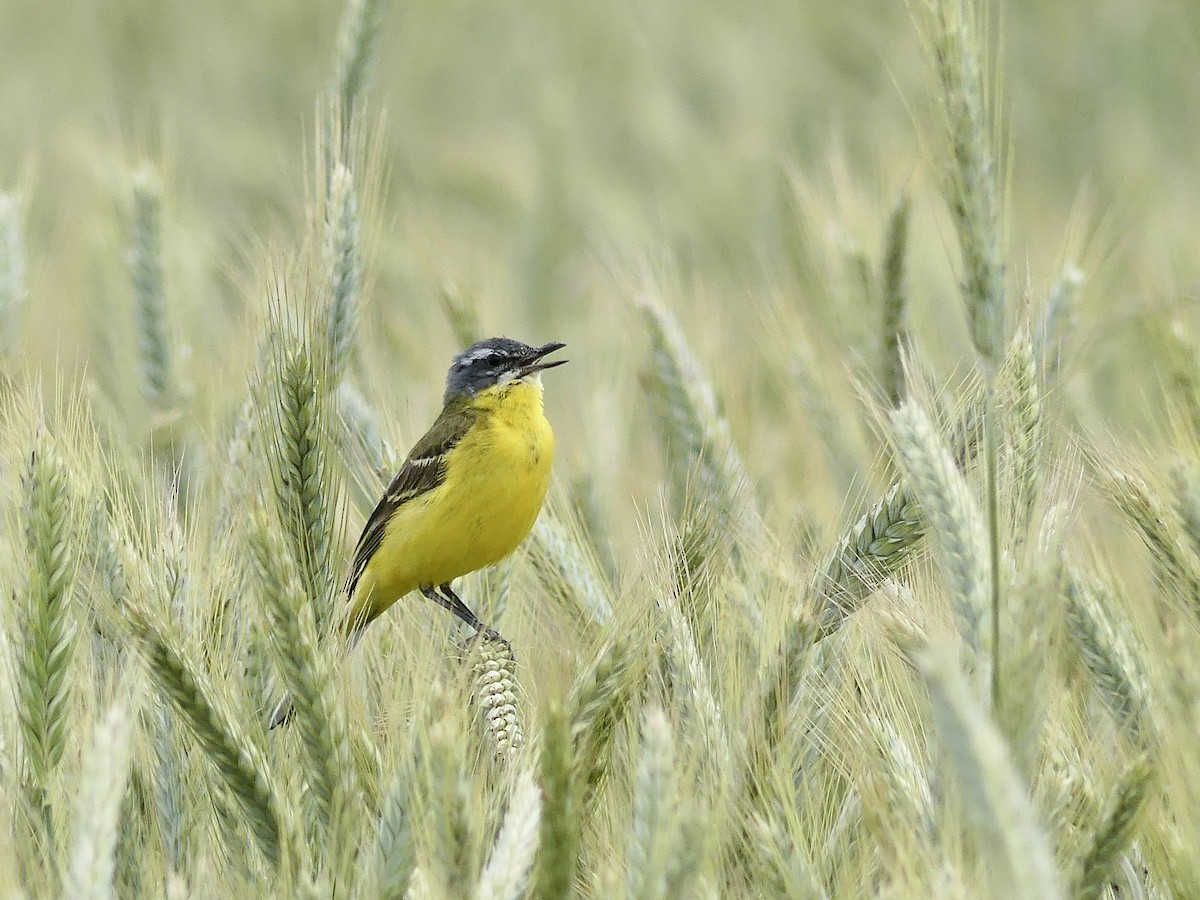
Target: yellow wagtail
467	494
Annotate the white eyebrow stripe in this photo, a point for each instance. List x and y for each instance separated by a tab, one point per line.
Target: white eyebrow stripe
480	354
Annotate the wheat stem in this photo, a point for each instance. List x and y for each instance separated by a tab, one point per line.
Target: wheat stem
992	488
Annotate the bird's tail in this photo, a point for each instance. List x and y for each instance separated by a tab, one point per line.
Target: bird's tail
283	712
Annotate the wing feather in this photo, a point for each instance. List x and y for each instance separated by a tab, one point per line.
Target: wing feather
423	470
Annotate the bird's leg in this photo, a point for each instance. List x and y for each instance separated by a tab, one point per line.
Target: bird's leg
464	612
460	609
447	599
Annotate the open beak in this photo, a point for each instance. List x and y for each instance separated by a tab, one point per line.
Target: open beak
534	362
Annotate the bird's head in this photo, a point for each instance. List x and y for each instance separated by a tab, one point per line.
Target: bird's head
497	361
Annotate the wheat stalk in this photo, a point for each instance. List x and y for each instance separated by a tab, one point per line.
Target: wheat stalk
973	194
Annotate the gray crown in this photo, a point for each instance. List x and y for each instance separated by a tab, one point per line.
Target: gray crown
483	364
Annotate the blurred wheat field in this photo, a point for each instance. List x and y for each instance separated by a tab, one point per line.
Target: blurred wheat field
872	560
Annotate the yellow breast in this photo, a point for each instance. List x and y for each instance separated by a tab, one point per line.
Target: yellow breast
496	481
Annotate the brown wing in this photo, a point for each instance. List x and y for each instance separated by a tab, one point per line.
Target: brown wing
423	470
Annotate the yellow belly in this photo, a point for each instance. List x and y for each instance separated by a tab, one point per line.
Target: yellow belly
496	481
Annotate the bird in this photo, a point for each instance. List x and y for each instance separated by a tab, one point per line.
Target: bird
466	495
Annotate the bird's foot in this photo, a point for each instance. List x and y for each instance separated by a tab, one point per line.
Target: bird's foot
489	636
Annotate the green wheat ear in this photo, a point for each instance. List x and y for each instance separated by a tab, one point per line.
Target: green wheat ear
895	302
444	793
1112	839
657	867
241	764
354	53
1104	646
996	801
972	171
955	520
157	356
289	622
697	437
556	865
44	667
395	857
508	867
300	471
566	568
102	787
344	264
